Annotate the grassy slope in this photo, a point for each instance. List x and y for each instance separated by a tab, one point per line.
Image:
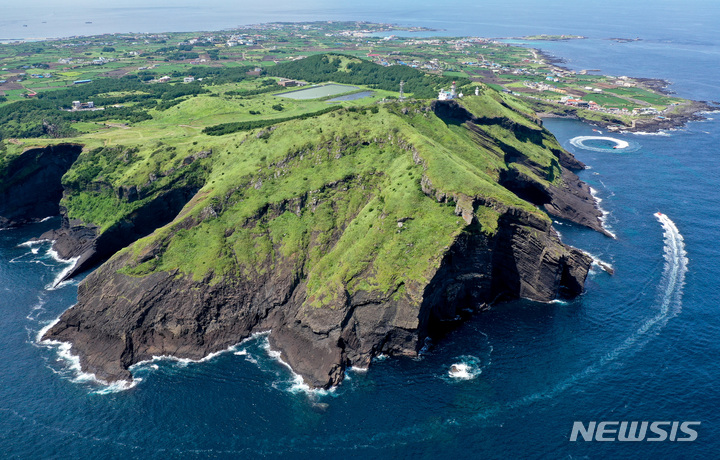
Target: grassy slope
321	197
310	197
160	145
379	184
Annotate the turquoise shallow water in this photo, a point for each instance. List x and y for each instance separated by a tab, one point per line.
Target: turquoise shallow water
638	345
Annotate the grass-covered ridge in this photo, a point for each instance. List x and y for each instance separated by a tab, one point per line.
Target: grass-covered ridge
365	195
335	200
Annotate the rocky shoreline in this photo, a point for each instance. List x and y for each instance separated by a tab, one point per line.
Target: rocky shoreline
693	111
30	186
687	112
121	320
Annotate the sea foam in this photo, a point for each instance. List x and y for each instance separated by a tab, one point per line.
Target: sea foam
659	133
468	368
605	214
33	243
670	293
185	361
297	383
72	362
580	142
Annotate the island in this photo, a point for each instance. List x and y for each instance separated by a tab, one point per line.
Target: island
283	179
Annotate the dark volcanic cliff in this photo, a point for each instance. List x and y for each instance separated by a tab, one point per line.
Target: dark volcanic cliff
569	198
359	238
132	211
121	319
30	185
92	246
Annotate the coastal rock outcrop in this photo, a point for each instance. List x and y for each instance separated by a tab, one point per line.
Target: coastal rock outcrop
569	198
122	319
30	185
91	245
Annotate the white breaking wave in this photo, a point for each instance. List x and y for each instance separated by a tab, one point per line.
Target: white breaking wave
32	243
294	385
460	371
605	214
182	362
297	382
36	309
73	365
247	355
659	133
468	368
150	363
73	362
51	253
558	302
56	257
33	251
58	281
38	337
598	262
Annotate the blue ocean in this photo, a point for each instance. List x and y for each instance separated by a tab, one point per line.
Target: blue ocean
639	345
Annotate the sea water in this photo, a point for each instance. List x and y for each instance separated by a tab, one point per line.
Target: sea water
641	344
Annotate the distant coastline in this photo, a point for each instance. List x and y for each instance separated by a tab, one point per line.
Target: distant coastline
535	75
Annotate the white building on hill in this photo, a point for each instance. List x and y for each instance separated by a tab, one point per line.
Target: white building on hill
448	95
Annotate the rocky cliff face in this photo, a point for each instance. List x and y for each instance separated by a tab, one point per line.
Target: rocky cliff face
121	319
75	238
569	198
30	187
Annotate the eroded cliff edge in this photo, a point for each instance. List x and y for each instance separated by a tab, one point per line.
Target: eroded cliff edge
357	238
121	320
30	184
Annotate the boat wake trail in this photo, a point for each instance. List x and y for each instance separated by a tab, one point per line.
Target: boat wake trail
604	144
670	305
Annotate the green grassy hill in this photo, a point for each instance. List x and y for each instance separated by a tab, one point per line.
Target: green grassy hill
340	195
348	233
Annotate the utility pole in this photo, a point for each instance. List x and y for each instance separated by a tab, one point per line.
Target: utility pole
402	93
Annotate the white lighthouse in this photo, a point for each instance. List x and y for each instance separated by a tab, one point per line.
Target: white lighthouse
448	95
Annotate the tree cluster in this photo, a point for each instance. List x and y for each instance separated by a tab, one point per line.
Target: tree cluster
327	67
42	116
